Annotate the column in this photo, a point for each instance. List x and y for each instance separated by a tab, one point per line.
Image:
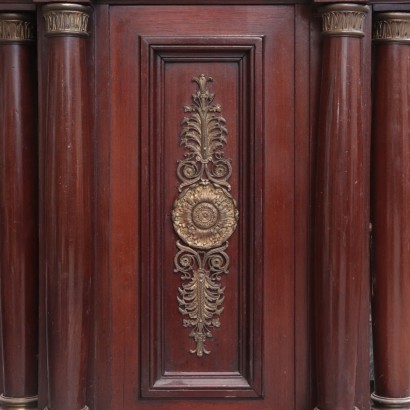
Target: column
341	216
66	224
18	211
391	212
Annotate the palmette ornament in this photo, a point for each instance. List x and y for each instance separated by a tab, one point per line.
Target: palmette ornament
205	216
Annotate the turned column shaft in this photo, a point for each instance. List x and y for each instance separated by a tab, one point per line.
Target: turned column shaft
18	211
67	202
391	212
341	208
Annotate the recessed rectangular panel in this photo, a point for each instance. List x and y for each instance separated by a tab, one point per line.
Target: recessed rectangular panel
202	276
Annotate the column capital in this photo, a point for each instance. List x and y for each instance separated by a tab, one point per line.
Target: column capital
392	27
17	28
343	19
66	19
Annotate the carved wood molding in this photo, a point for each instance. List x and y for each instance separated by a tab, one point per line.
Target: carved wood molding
16	28
343	19
392	27
65	19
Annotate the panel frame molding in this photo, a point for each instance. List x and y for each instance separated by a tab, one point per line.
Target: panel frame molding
247	51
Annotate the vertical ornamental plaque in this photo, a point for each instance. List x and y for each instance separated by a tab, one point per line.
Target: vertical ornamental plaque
205	216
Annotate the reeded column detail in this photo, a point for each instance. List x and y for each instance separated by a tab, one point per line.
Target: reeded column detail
67	205
391	212
18	211
341	218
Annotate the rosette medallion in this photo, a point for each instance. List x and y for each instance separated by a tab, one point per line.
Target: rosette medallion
205	216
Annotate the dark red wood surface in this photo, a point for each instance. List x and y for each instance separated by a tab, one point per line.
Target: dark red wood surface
391	221
18	219
289	108
362	400
67	221
341	223
126	24
102	365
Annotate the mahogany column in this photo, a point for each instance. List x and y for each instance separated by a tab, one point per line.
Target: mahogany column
341	208
66	202
18	211
391	212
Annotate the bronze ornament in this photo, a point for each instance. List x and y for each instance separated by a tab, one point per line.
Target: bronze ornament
390	401
392	27
66	19
343	19
16	28
18	403
205	216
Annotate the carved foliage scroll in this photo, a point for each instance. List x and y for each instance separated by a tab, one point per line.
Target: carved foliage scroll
205	216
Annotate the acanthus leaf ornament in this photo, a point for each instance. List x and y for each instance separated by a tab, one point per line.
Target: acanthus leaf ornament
205	216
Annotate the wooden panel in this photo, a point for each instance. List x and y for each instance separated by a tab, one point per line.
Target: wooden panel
234	364
171	71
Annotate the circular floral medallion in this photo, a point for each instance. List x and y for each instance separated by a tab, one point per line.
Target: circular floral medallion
205	216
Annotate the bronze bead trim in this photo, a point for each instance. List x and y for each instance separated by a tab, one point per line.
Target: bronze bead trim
343	19
397	402
84	408
317	408
16	28
18	402
66	19
392	27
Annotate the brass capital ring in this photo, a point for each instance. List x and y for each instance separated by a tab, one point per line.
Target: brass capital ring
317	408
17	28
393	401
84	408
66	19
18	403
343	19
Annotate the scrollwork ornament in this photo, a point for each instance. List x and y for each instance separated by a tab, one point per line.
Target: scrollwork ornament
205	216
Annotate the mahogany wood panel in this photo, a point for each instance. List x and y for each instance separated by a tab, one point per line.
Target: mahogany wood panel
66	220
18	215
391	223
126	159
341	222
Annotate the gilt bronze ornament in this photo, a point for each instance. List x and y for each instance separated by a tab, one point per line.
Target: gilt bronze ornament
205	216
